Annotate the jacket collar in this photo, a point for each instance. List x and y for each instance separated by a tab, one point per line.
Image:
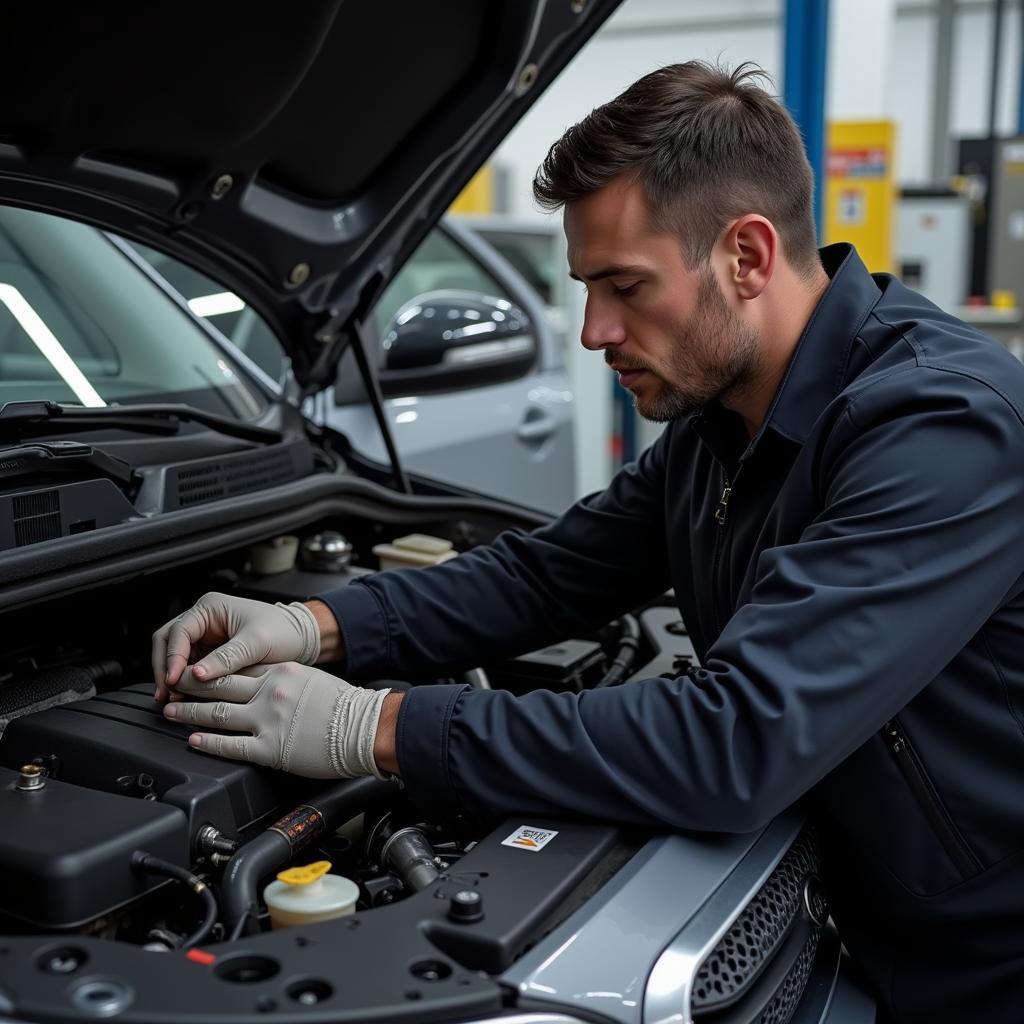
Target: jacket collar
818	369
817	372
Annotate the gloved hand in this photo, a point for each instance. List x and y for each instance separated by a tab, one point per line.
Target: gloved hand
295	718
231	633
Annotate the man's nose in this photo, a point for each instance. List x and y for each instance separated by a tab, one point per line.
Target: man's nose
601	328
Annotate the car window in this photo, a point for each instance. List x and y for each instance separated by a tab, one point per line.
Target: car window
438	264
534	255
80	323
242	325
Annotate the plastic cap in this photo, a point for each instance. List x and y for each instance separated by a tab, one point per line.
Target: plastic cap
306	874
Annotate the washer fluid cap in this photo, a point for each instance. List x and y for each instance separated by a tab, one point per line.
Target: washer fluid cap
305	875
304	895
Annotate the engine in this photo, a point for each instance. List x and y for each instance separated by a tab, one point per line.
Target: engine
94	778
115	777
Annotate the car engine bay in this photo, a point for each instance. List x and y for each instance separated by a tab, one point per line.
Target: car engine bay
83	732
111	819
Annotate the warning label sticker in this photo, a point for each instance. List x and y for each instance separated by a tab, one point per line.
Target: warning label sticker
527	838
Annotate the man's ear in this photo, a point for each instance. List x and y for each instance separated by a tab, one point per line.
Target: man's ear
751	245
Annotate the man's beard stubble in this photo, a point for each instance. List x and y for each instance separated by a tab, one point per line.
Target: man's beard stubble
715	355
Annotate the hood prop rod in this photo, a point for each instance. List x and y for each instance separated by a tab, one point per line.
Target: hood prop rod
360	349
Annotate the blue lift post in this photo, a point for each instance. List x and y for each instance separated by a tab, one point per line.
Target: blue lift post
805	55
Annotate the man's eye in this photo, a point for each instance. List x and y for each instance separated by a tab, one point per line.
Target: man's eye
629	289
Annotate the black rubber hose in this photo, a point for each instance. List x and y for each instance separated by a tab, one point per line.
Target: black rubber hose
272	849
251	862
629	644
150	865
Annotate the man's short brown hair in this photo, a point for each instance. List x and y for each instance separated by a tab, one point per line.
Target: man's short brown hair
707	144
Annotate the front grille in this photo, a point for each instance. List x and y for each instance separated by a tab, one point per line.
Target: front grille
789	993
755	935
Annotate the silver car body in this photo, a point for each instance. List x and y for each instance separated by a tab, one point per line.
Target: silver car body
513	440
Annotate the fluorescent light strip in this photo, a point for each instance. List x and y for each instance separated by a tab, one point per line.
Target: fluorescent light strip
216	304
44	340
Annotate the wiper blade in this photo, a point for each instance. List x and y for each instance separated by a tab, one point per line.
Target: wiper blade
19	419
24	418
45	457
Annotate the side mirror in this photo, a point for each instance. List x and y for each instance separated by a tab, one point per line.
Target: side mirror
448	339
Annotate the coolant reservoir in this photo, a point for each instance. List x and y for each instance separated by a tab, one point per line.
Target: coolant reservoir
309	894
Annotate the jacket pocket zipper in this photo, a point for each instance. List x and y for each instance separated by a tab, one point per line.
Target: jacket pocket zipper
921	786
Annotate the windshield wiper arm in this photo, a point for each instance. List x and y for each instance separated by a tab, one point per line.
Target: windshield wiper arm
44	457
20	418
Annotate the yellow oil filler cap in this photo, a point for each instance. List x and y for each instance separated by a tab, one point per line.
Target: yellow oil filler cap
307	894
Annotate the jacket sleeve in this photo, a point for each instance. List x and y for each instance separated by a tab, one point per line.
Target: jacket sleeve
919	540
601	558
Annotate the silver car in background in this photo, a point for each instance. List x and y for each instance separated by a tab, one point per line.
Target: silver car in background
508	435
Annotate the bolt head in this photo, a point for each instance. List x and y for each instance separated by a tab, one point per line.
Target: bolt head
222	186
527	77
299	274
62	964
31	777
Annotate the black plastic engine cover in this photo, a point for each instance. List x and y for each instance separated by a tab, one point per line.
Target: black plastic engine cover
65	852
122	733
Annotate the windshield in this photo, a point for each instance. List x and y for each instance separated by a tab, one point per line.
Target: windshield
80	323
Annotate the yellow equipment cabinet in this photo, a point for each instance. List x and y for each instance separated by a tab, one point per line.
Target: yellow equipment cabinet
860	191
478	195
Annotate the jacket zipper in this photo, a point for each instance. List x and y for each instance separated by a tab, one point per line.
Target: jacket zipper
722	508
921	786
721	515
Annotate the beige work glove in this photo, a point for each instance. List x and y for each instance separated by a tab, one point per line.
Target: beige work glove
292	717
223	634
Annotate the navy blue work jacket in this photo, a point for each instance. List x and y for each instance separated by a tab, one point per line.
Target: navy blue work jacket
852	582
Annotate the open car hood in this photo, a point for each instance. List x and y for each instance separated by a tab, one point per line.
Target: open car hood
296	153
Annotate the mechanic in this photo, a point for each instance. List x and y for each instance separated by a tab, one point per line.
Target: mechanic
838	503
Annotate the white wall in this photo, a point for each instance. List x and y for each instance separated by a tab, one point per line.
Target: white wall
911	73
859	64
972	61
